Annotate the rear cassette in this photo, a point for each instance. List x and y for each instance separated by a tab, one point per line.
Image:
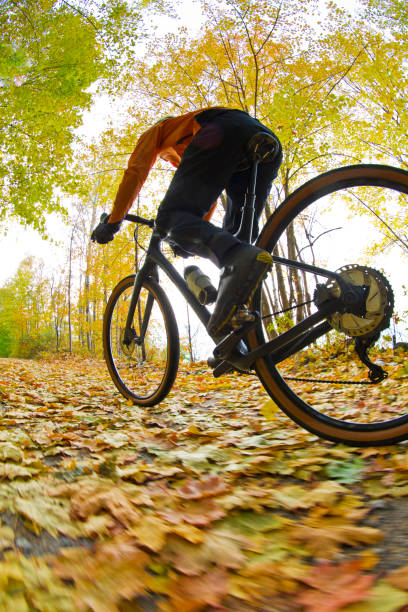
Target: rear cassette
379	303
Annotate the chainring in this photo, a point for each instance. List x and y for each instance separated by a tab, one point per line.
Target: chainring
379	303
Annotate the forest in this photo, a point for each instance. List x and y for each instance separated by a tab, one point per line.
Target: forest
329	79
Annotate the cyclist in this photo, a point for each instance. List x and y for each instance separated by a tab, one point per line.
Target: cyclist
208	148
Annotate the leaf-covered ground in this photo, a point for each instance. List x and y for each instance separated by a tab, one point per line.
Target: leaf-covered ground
197	504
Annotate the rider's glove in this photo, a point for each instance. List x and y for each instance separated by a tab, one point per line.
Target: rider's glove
104	232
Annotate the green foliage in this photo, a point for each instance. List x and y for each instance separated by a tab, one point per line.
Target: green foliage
391	14
26	325
51	53
346	472
5	339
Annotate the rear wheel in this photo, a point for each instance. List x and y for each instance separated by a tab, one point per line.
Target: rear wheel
345	220
143	369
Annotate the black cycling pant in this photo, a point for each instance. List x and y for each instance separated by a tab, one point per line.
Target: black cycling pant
212	162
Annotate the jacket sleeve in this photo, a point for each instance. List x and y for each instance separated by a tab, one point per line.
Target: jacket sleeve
210	213
139	166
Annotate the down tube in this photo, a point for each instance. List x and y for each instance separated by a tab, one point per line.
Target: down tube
201	311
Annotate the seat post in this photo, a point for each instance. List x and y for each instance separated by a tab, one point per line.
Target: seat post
248	210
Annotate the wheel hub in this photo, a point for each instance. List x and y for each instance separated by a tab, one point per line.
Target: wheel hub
128	348
369	309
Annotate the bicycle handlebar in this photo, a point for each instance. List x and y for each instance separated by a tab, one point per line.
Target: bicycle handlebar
137	219
133	218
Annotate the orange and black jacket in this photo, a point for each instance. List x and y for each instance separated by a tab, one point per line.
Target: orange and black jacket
168	139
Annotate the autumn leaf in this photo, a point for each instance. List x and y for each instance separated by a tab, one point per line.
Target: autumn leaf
383	598
209	487
335	586
194	593
6	537
12	452
326	535
199	513
269	410
95	495
346	472
115	570
399	578
11	471
171	505
150	532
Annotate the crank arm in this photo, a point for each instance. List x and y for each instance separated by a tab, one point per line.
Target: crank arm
284	343
224	349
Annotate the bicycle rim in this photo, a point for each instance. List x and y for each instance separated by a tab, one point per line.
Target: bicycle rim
342	220
143	370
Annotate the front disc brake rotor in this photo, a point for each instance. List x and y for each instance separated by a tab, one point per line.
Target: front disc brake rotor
379	302
127	349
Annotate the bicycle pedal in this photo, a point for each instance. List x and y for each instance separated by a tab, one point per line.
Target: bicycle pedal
242	316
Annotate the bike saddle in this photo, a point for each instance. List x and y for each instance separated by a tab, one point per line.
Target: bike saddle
263	147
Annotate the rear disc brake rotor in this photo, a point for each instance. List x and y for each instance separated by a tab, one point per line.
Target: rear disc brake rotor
378	306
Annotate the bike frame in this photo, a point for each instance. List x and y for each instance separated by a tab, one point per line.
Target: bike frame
278	349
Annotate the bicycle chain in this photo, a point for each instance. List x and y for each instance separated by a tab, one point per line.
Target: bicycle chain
332	382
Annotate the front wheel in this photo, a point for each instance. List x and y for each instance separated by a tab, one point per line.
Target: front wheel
352	220
145	366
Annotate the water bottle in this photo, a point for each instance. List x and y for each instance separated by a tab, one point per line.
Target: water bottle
200	285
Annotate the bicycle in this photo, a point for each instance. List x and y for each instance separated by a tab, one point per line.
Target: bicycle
351	301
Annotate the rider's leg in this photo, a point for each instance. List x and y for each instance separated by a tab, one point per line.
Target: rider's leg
205	169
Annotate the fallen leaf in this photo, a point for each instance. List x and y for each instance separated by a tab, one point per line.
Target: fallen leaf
196	489
334	586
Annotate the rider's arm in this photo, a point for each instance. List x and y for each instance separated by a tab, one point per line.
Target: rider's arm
139	166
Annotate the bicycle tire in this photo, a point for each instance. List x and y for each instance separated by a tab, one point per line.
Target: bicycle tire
294	402
142	373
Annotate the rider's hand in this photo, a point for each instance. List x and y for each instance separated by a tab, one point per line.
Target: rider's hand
104	232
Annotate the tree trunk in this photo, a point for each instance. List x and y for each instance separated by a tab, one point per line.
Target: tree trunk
69	293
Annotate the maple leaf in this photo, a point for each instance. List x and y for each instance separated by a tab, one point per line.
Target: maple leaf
325	536
194	593
383	598
346	472
334	587
399	578
11	451
114	570
151	532
27	584
11	471
33	502
197	489
97	494
269	410
218	548
199	513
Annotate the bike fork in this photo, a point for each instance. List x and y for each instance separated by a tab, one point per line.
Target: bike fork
129	334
